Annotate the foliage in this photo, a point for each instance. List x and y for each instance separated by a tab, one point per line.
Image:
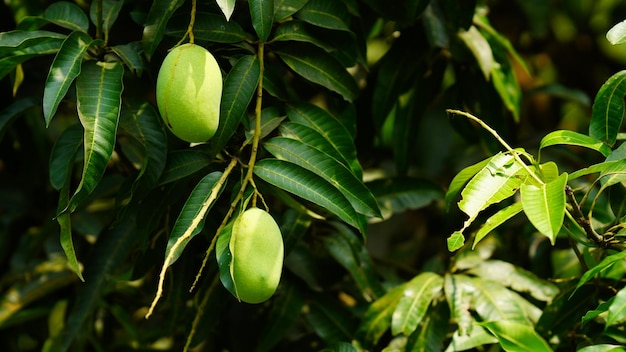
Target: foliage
124	245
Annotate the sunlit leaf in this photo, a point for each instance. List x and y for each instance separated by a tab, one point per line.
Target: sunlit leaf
566	137
481	49
605	264
617	310
458	291
545	206
617	33
432	332
227	7
478	336
496	220
65	68
413	306
602	348
377	319
608	109
516	337
98	92
455	241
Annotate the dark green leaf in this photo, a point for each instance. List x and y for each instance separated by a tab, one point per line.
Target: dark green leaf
307	185
239	87
262	13
285	8
224	257
286	308
416	299
182	163
330	320
18	39
325	14
395	195
67	15
110	11
566	310
328	168
98	92
14	110
155	25
433	330
208	26
26	51
131	56
317	66
65	68
63	155
608	109
377	318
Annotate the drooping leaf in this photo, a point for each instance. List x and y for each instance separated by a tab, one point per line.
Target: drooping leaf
154	28
480	48
208	26
239	87
262	13
14	110
182	163
545	206
63	154
110	11
413	306
566	137
67	15
617	310
317	66
64	69
305	184
516	337
325	14
617	33
496	220
285	8
460	179
330	128
131	56
605	264
395	195
98	92
328	168
227	7
432	332
608	109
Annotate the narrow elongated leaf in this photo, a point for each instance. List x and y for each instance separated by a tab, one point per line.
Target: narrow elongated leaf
432	331
305	184
63	155
458	291
395	195
377	318
131	55
227	7
285	8
224	257
182	163
478	336
460	179
239	87
65	224
602	348
285	310
155	25
498	180
325	14
605	264
516	337
328	168
65	68
99	96
262	13
545	206
330	127
496	220
10	41
208	26
317	66
608	109
617	33
478	45
331	321
14	110
600	167
417	298
67	15
566	137
617	310
191	219
495	302
110	11
26	51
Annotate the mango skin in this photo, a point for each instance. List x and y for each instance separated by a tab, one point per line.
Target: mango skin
189	92
257	249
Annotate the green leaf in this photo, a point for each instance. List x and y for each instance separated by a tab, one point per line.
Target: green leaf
325	14
131	56
286	308
305	184
397	194
27	51
458	291
317	66
504	79
605	264
224	257
110	11
617	310
16	109
493	301
331	320
545	206
65	68
478	336
99	96
65	221
498	180
617	33
432	331
479	46
285	8
517	278
182	163
496	220
63	155
239	87
417	298
455	241
608	109
600	167
330	128
155	25
460	179
377	319
227	7
190	221
566	137
141	121
602	348
67	15
208	26
566	310
516	337
262	13
18	39
328	168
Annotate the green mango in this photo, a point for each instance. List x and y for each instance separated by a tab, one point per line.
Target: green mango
189	92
